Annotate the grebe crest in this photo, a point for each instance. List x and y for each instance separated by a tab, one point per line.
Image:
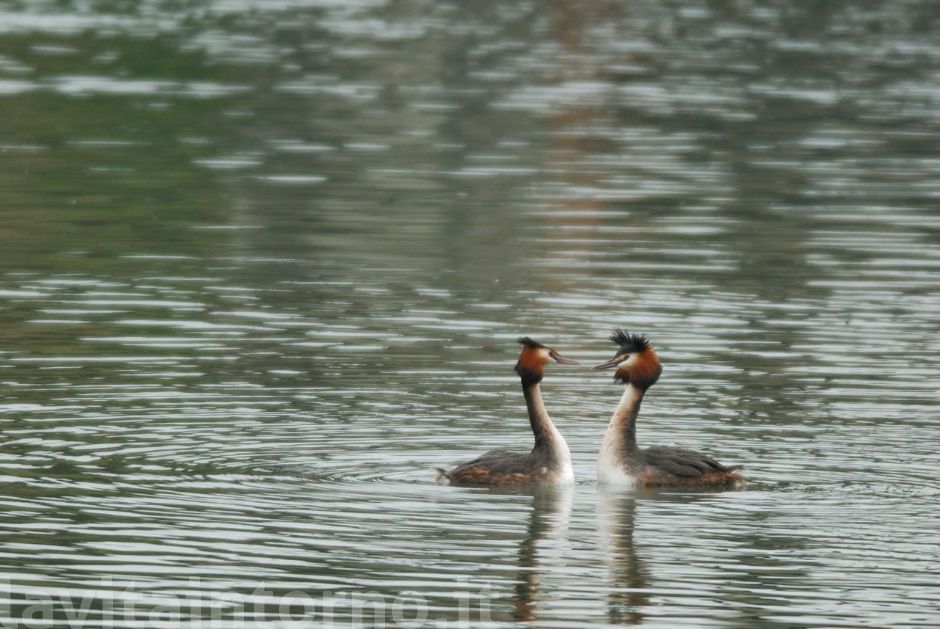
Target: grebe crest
636	361
533	358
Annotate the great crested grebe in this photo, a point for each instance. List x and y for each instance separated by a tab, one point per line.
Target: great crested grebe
550	460
621	461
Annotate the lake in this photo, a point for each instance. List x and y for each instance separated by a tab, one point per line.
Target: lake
263	266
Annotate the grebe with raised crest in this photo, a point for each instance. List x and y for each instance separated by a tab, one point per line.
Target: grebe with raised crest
621	462
550	460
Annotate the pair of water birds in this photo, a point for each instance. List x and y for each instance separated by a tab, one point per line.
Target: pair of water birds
621	462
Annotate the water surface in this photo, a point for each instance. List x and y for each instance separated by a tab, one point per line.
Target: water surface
263	264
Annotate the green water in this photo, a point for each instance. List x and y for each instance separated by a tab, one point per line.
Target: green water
263	265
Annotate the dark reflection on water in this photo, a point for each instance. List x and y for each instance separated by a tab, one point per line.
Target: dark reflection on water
262	266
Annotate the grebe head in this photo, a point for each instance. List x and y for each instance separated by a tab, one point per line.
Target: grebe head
636	360
534	357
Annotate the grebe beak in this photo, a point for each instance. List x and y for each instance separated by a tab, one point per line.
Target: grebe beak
564	361
613	362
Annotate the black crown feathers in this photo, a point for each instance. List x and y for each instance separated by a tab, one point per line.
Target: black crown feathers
629	342
528	342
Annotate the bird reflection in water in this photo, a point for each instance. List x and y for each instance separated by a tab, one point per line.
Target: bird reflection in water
629	592
548	522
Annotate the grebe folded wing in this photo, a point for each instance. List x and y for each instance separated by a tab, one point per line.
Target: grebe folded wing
498	467
683	462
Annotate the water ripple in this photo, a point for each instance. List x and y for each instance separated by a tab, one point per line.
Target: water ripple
268	273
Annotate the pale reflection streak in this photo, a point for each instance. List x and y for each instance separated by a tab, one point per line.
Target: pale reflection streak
629	578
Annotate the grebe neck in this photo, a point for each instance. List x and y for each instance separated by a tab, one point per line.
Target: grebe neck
623	423
547	437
